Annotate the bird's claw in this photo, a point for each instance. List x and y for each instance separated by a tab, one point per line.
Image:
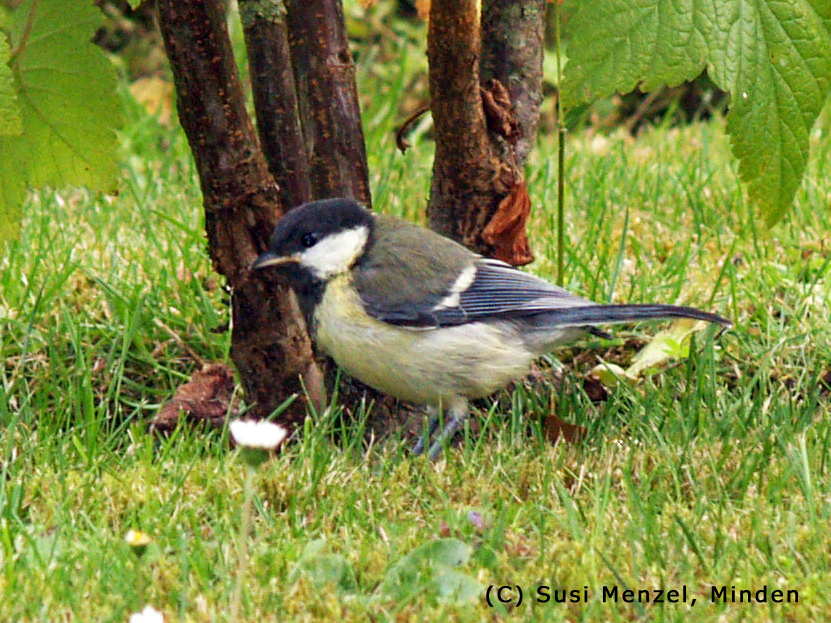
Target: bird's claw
449	431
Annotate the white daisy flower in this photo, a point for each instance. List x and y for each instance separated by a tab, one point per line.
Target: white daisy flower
148	615
257	434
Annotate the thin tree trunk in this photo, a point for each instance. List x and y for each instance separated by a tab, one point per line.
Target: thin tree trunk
468	177
275	100
477	196
513	44
269	346
330	115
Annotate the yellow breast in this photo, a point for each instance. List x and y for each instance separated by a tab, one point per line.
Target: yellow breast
425	366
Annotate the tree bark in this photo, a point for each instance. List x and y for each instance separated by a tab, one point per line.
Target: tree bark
330	115
472	178
269	347
513	44
275	100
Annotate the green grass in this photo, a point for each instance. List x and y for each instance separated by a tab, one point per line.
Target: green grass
714	471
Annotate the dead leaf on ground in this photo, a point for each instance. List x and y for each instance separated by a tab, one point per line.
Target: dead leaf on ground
505	232
556	429
207	397
670	344
595	389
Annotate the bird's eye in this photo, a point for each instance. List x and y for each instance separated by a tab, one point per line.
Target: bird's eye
309	239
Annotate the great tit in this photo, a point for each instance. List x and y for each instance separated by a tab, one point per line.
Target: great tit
418	316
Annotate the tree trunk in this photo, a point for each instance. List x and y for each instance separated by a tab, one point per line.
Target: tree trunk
324	76
275	100
513	44
478	195
269	345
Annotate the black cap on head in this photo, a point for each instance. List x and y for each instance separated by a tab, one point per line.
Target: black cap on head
305	225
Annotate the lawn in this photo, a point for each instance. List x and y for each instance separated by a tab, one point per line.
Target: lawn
713	471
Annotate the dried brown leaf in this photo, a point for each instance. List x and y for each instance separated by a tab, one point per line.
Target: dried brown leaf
518	546
400	135
505	232
556	429
595	389
825	383
499	112
207	397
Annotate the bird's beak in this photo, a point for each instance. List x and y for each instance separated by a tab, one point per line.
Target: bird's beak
270	259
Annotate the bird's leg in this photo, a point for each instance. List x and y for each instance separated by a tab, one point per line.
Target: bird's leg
459	412
433	413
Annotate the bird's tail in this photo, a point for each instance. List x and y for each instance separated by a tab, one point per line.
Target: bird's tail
614	314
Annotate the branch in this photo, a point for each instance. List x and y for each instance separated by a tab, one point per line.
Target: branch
513	33
330	114
275	101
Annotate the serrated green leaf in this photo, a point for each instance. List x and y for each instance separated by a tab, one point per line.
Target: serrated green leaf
615	45
773	56
66	95
9	111
12	182
778	90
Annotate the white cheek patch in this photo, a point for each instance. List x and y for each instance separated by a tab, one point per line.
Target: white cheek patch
462	283
336	253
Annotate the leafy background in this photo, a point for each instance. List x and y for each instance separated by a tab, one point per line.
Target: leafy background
772	56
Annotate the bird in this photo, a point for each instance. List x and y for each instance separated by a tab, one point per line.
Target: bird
420	317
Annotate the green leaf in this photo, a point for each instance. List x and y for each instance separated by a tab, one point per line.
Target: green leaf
782	63
65	89
773	56
323	569
12	189
9	110
666	345
447	552
456	587
12	182
429	568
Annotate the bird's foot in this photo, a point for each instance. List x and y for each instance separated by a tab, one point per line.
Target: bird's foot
418	449
453	425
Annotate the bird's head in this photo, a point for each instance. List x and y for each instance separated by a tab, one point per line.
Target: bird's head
318	240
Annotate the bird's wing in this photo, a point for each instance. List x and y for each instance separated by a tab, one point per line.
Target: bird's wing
485	289
398	284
